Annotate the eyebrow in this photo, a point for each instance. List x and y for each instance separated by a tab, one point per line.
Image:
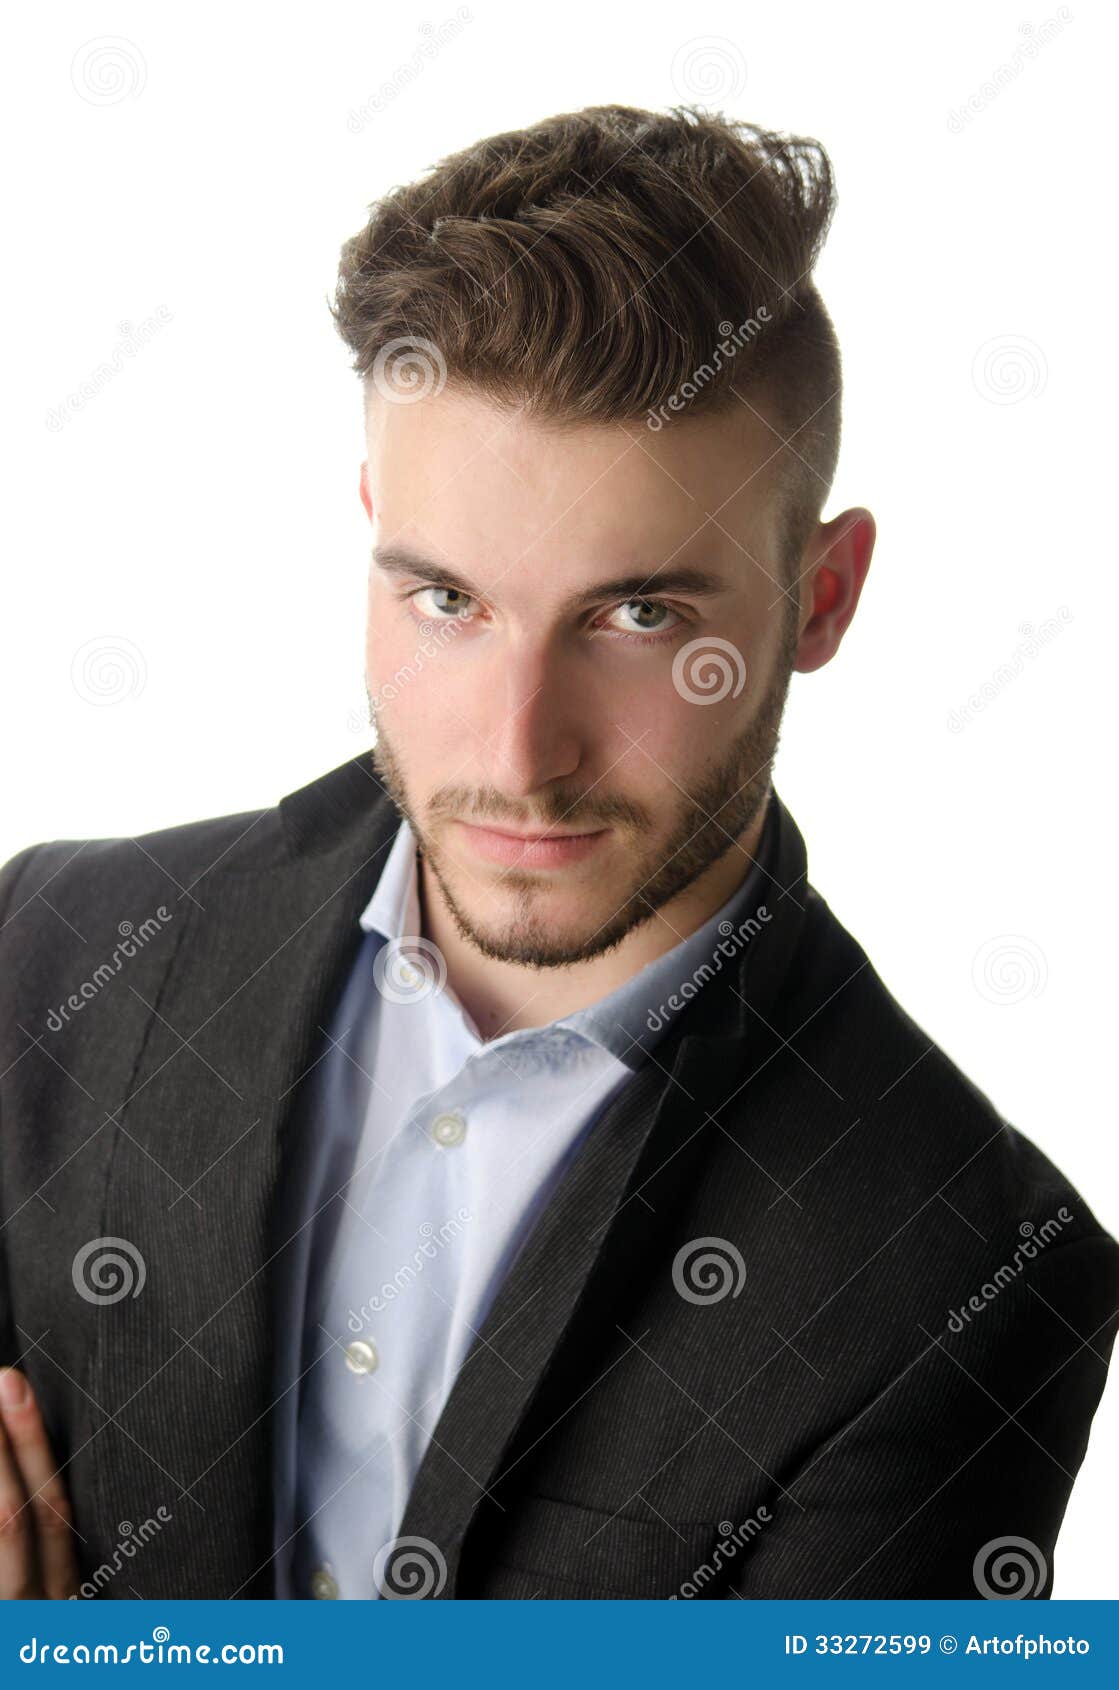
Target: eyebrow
684	578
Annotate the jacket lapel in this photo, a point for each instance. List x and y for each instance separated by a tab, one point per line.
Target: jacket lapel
193	1176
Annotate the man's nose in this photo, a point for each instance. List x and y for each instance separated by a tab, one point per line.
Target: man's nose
537	725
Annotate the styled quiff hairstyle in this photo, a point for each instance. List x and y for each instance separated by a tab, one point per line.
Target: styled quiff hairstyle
587	268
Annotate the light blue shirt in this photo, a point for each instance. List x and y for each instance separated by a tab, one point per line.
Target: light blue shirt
423	1155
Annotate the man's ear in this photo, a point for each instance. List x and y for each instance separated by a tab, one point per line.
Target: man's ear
832	574
363	489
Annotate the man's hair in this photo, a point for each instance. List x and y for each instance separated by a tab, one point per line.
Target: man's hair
609	265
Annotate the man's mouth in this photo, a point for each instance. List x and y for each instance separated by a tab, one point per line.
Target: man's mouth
545	848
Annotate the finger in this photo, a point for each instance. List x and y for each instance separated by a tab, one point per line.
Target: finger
19	1574
48	1501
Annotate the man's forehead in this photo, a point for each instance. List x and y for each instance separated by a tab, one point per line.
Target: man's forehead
453	453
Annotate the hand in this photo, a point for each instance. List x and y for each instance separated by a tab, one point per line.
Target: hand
36	1536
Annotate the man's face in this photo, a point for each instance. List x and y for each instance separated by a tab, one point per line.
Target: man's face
525	692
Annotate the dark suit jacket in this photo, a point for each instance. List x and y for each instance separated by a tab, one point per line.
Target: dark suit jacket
887	1382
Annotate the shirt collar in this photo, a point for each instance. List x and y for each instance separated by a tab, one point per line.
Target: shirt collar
394	909
638	1012
630	1019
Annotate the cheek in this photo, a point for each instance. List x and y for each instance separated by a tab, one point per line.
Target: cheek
394	663
415	701
671	735
380	658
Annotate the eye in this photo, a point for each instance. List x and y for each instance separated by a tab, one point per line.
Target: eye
457	606
647	631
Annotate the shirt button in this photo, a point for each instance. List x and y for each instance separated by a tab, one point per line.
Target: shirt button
449	1128
361	1357
323	1584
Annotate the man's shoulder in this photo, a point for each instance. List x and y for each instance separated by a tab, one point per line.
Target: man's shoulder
871	1058
146	868
882	1133
338	810
863	1183
65	901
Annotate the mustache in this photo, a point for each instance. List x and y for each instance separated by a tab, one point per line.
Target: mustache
571	812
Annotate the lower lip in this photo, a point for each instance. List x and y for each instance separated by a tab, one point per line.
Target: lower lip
532	853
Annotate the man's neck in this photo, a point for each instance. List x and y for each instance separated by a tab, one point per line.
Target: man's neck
503	997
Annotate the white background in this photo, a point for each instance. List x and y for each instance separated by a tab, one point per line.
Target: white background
199	515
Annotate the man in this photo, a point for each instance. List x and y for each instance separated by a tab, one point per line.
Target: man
494	1172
